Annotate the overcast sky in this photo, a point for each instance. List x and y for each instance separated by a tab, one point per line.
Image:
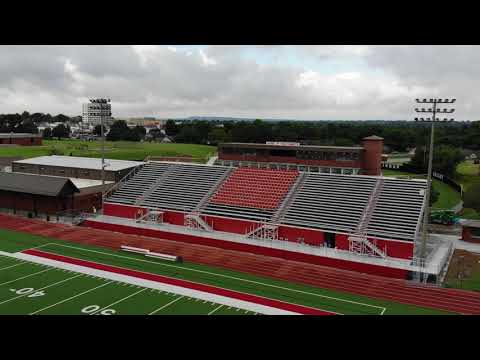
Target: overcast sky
293	82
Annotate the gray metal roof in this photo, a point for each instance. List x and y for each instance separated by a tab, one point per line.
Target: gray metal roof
18	135
36	184
81	162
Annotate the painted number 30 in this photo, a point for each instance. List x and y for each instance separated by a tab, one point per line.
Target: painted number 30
94	308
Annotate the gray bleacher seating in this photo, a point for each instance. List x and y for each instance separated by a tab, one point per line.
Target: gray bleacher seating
182	189
336	203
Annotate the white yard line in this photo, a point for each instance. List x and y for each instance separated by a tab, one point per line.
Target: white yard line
381	308
214	310
119	301
164	306
71	298
26	276
11	266
43	288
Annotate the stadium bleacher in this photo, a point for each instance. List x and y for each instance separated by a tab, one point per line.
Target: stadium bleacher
337	202
182	189
328	202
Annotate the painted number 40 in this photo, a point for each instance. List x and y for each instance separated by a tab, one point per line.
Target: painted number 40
94	308
26	291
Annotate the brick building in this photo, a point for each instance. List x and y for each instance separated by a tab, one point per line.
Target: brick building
20	139
365	159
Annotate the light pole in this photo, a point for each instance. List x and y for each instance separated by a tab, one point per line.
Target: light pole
434	110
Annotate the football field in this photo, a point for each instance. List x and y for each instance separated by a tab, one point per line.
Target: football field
29	285
30	288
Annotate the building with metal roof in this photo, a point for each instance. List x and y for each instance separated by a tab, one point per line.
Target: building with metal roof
75	167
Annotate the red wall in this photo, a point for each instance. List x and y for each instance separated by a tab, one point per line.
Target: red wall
289	255
26	141
124	211
230	225
398	249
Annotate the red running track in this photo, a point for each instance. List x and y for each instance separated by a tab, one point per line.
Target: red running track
304	310
454	300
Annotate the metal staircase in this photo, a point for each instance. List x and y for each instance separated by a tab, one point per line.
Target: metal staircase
266	231
194	221
285	204
151	216
359	242
154	185
204	201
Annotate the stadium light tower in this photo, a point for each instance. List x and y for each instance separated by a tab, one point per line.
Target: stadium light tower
434	111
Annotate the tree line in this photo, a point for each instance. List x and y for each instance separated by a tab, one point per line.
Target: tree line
399	135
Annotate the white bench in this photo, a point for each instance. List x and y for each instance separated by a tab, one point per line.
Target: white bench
164	257
134	249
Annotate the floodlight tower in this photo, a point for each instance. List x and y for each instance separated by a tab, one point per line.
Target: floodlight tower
433	110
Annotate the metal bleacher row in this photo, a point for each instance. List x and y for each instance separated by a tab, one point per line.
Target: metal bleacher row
321	201
170	186
337	202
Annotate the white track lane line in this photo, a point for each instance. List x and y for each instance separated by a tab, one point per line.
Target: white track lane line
11	266
71	298
232	277
119	301
43	288
164	306
26	276
214	310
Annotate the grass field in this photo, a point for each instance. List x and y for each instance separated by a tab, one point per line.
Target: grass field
73	301
123	150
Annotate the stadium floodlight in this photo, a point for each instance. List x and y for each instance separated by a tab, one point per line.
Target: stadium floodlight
433	119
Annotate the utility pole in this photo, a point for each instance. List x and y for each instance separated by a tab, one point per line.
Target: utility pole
434	110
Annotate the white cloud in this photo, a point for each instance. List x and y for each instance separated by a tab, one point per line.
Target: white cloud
221	80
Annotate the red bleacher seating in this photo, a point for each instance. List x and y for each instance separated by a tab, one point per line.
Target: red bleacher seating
255	188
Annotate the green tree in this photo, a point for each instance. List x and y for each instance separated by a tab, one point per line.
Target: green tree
47	133
171	128
118	131
61	131
445	159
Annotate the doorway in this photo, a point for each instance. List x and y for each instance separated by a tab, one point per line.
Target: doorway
330	240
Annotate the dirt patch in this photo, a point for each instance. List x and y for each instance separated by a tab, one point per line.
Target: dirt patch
464	270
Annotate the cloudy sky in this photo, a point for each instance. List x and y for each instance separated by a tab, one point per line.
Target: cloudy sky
294	82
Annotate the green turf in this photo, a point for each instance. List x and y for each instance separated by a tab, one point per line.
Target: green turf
46	290
124	150
329	300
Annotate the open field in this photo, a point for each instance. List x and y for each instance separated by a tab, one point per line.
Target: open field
322	299
123	150
464	271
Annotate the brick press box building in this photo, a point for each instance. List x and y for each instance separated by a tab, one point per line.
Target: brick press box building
355	222
20	139
365	159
